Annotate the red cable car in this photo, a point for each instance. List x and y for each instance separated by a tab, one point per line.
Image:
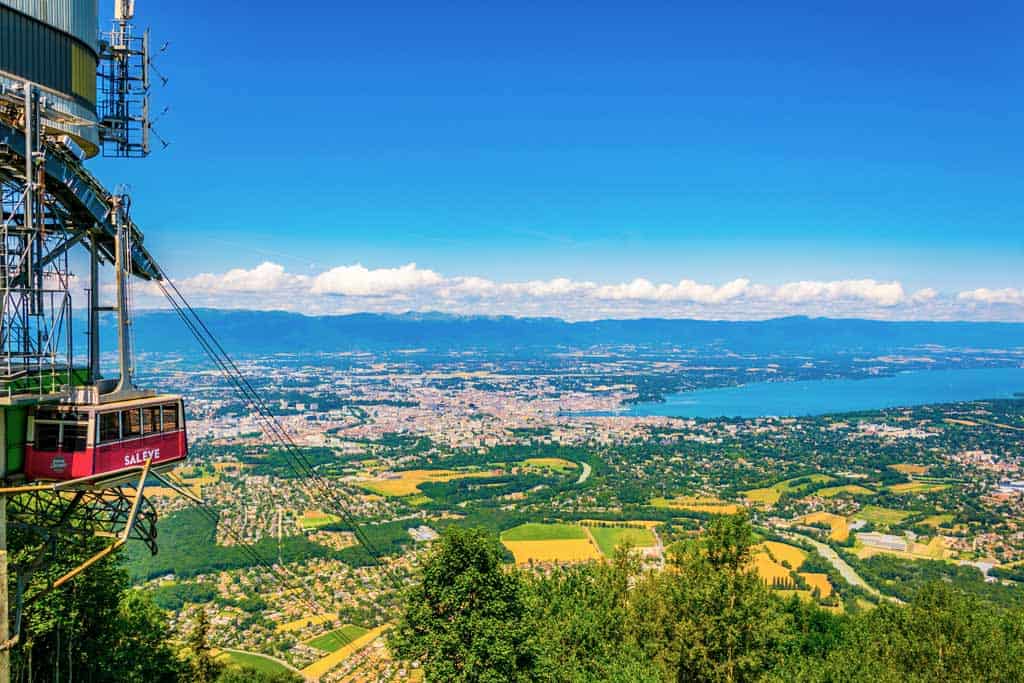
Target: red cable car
83	441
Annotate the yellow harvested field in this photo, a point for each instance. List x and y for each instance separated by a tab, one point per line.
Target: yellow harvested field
161	492
563	550
819	581
852	489
407	483
768	569
768	496
300	624
910	468
965	423
783	552
314	671
707	504
840	528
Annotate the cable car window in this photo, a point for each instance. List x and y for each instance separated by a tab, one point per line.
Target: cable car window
131	423
43	413
110	427
170	417
150	419
47	437
74	437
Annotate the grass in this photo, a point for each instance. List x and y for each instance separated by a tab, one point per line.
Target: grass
852	489
839	529
771	494
314	519
253	661
559	465
708	504
610	538
884	516
937	520
917	487
544	532
338	638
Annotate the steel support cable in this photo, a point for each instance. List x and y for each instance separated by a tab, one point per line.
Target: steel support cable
271	425
395	582
299	464
248	549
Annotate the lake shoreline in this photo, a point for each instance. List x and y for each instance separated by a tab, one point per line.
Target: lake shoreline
808	398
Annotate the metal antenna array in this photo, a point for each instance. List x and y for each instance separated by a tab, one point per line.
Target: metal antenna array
123	102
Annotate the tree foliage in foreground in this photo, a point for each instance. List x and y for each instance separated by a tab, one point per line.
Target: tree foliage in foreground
467	619
705	618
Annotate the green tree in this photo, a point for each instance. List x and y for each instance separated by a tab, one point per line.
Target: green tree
581	620
142	651
942	635
94	627
466	619
203	668
731	629
246	674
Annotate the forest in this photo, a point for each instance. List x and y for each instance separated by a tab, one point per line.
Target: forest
470	619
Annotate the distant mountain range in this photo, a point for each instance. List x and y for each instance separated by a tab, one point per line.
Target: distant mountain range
276	331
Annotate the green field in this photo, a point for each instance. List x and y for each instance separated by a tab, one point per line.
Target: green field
544	532
557	464
253	661
771	494
880	515
851	489
317	521
609	538
338	638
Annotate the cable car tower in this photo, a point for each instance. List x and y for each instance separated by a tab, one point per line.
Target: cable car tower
76	448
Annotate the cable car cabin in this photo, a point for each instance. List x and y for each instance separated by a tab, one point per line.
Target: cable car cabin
74	441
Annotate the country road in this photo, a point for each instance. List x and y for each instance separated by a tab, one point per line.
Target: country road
844	569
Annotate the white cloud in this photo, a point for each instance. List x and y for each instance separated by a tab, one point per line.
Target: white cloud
925	295
352	288
265	277
984	295
358	280
642	289
878	293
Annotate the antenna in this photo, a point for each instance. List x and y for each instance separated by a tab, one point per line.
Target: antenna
125	64
124	10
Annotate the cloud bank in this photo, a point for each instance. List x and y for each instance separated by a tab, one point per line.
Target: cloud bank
352	288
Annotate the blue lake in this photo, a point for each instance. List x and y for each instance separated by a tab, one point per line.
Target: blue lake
819	397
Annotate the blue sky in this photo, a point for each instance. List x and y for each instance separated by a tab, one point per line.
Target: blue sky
594	143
